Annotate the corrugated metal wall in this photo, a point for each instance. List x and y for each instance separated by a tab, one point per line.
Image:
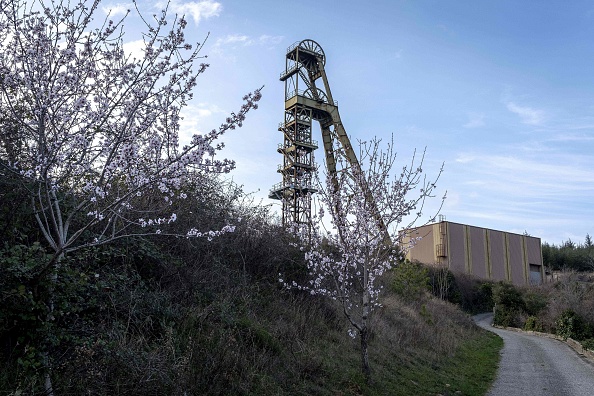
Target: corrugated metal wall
497	255
424	249
478	251
457	256
534	257
487	254
516	263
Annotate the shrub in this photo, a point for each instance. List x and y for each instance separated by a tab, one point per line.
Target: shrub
572	325
443	284
588	344
534	302
533	324
411	280
509	304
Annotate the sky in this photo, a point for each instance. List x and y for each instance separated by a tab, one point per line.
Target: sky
501	93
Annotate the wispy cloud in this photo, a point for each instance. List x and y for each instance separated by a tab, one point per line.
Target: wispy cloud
196	118
475	120
270	40
511	189
227	46
234	39
198	10
246	41
528	115
117	9
572	137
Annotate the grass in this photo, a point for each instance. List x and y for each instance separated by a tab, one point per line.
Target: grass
470	371
213	320
411	354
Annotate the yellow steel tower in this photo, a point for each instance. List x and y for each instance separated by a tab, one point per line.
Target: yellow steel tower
304	102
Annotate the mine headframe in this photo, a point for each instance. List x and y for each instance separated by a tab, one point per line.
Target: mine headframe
305	102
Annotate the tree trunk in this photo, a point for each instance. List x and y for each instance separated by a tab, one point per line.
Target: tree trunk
365	355
53	280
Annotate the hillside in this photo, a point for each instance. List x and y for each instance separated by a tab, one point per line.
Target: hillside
176	316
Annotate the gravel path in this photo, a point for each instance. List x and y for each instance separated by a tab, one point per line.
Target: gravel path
533	365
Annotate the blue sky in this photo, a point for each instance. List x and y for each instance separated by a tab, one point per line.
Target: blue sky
501	92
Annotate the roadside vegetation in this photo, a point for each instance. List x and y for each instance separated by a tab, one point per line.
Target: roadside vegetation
159	315
564	307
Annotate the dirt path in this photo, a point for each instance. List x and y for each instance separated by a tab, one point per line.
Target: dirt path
533	365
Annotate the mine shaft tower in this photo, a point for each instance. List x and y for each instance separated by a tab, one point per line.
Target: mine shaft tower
305	102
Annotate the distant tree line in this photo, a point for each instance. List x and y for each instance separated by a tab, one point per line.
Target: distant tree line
569	255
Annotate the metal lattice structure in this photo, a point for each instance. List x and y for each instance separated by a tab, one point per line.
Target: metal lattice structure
306	102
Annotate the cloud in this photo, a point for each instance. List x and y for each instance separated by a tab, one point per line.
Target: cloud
198	118
270	40
135	48
198	10
234	39
509	188
528	115
117	9
572	137
475	120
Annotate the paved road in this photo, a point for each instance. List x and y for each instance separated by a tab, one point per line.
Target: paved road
534	366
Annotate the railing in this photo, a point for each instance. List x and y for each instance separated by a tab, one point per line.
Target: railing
297	164
297	186
313	143
292	46
292	70
300	92
283	125
440	249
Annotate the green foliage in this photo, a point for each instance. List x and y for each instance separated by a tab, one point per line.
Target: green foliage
443	284
534	302
471	294
508	295
533	324
469	371
153	316
426	314
571	325
569	255
508	305
411	280
482	298
588	344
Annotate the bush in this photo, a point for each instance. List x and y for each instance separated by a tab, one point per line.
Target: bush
588	344
572	325
411	280
509	304
533	324
473	295
443	284
534	302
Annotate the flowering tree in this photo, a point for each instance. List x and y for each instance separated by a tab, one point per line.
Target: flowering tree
91	132
347	263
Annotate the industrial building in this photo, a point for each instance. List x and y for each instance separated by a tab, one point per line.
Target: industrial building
485	253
